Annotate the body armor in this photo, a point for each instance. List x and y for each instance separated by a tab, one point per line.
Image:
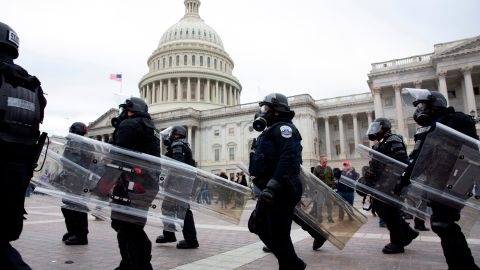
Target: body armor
20	110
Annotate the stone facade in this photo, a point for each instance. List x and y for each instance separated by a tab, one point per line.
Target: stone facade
453	69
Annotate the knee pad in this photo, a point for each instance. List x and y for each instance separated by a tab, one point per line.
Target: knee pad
443	227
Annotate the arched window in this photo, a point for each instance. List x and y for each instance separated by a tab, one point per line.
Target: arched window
170	61
208	61
177	60
201	60
215	63
193	60
185	58
163	62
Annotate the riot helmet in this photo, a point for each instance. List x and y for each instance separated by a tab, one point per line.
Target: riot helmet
273	105
429	104
277	102
170	134
9	40
132	104
78	128
378	128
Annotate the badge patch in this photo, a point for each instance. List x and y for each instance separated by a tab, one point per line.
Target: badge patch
286	131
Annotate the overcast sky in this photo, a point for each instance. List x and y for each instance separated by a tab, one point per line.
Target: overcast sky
323	48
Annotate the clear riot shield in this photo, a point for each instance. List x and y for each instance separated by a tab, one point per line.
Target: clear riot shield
384	173
449	163
128	185
327	212
324	211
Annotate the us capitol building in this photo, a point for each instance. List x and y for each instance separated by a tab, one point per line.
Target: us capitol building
190	83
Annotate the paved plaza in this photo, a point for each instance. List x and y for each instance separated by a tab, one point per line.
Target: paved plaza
222	246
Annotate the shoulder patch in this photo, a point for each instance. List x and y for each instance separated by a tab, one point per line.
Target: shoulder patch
286	131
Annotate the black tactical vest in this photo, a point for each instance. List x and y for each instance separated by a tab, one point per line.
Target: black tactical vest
20	110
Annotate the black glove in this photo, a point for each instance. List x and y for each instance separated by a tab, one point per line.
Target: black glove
404	180
267	196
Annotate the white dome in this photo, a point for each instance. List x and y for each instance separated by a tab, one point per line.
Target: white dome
191	27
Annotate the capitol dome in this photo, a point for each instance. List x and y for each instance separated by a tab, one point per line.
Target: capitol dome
190	68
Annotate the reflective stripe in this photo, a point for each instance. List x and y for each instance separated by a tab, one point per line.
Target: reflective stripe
21	103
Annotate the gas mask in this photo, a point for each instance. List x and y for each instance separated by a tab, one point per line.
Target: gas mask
423	114
262	118
122	115
166	136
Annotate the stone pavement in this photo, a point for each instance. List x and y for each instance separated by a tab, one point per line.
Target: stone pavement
222	246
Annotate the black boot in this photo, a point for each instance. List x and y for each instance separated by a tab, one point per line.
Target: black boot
411	234
75	241
66	236
318	243
162	239
392	249
187	245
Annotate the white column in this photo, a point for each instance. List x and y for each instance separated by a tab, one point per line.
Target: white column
196	150
170	90
377	102
442	84
399	107
162	95
217	96
470	95
327	138
155	92
189	90
369	120
207	91
149	95
197	94
355	130
179	90
225	98
418	84
189	134
342	136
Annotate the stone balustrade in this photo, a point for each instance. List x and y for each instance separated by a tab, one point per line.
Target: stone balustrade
412	60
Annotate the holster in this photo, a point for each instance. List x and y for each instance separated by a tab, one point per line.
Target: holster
38	148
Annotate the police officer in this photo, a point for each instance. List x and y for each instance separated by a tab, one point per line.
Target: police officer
431	107
275	164
75	221
179	149
134	130
392	145
22	106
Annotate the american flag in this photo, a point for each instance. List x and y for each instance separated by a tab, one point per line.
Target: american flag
116	77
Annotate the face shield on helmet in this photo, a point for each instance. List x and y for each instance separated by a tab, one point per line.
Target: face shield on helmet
424	100
374	130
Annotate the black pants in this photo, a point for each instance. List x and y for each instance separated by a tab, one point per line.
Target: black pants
16	170
11	259
396	225
76	222
135	247
279	218
454	245
189	231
